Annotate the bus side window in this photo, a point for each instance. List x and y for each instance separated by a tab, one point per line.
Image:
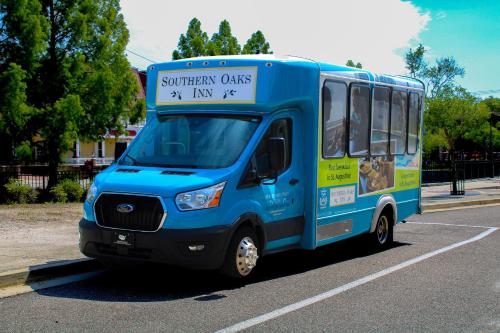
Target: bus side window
334	119
359	120
380	121
413	123
398	122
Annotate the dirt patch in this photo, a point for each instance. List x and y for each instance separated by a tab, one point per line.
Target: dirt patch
39	233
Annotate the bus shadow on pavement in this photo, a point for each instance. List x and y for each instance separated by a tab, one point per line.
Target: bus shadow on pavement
155	282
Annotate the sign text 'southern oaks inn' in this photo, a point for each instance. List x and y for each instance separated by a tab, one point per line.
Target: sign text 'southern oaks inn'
216	85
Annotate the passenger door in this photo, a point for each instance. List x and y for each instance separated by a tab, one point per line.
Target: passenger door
281	200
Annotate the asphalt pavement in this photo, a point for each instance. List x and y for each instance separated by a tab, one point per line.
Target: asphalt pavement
441	275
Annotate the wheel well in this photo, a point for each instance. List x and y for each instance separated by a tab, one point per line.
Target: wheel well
389	212
257	228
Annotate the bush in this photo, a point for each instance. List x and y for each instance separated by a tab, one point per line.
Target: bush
17	192
59	194
67	190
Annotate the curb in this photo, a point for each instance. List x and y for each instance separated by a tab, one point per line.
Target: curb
41	273
459	204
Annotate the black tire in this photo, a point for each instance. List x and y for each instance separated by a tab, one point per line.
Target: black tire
383	236
235	265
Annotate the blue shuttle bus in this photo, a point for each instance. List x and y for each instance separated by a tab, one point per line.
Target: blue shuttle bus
243	156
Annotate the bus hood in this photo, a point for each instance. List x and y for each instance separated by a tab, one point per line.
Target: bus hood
157	181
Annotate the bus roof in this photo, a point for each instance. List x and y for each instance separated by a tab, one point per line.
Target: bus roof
280	79
339	70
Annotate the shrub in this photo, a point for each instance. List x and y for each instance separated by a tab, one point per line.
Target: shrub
67	190
17	192
59	194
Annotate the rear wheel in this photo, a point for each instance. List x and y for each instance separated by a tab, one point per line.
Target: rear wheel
242	254
384	231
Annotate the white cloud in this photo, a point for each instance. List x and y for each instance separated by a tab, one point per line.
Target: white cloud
371	32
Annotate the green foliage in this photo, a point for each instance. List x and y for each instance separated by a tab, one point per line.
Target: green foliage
19	193
66	72
257	44
454	115
67	190
351	63
58	194
23	33
195	42
223	42
439	77
415	62
23	152
14	112
493	127
72	189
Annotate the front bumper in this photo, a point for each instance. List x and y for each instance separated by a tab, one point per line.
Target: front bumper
165	245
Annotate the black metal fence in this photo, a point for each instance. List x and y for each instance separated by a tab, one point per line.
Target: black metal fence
38	176
432	172
439	172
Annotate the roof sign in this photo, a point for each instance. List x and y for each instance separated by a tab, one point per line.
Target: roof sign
231	85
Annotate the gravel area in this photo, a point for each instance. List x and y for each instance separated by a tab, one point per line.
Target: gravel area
36	234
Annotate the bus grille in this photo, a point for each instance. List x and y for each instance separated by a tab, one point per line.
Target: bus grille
147	213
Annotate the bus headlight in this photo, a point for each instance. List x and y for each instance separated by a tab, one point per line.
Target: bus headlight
91	193
200	199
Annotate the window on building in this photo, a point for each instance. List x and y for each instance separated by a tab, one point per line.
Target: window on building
398	122
380	121
334	119
359	120
413	123
100	149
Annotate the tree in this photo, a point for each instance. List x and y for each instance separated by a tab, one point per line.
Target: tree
452	116
193	43
415	62
257	44
77	79
438	77
351	63
490	132
14	112
223	42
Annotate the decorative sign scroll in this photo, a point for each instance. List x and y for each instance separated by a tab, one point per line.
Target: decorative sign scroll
232	85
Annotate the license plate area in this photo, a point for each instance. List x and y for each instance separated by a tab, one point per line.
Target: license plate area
123	238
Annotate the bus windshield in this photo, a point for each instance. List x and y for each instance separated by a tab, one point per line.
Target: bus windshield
192	141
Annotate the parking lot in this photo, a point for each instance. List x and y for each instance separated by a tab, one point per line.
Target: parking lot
441	275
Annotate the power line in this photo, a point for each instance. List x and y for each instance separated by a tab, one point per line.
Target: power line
487	92
141	56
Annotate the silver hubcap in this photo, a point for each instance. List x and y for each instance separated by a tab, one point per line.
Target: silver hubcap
382	229
246	256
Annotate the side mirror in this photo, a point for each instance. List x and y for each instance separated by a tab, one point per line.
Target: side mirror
276	150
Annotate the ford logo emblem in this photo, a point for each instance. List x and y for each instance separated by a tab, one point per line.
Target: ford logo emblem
125	208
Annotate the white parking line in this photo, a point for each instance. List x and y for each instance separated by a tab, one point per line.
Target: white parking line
318	298
451	225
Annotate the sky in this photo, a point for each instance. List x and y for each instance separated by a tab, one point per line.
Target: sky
375	33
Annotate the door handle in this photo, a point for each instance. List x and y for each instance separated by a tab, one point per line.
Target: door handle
293	181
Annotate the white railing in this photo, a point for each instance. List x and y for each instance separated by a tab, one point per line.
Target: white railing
81	160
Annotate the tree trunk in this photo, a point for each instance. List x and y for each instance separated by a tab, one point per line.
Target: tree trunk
53	164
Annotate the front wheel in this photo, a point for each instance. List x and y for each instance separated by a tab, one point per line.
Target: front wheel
242	254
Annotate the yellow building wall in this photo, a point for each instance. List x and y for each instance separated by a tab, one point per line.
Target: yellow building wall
110	148
87	149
